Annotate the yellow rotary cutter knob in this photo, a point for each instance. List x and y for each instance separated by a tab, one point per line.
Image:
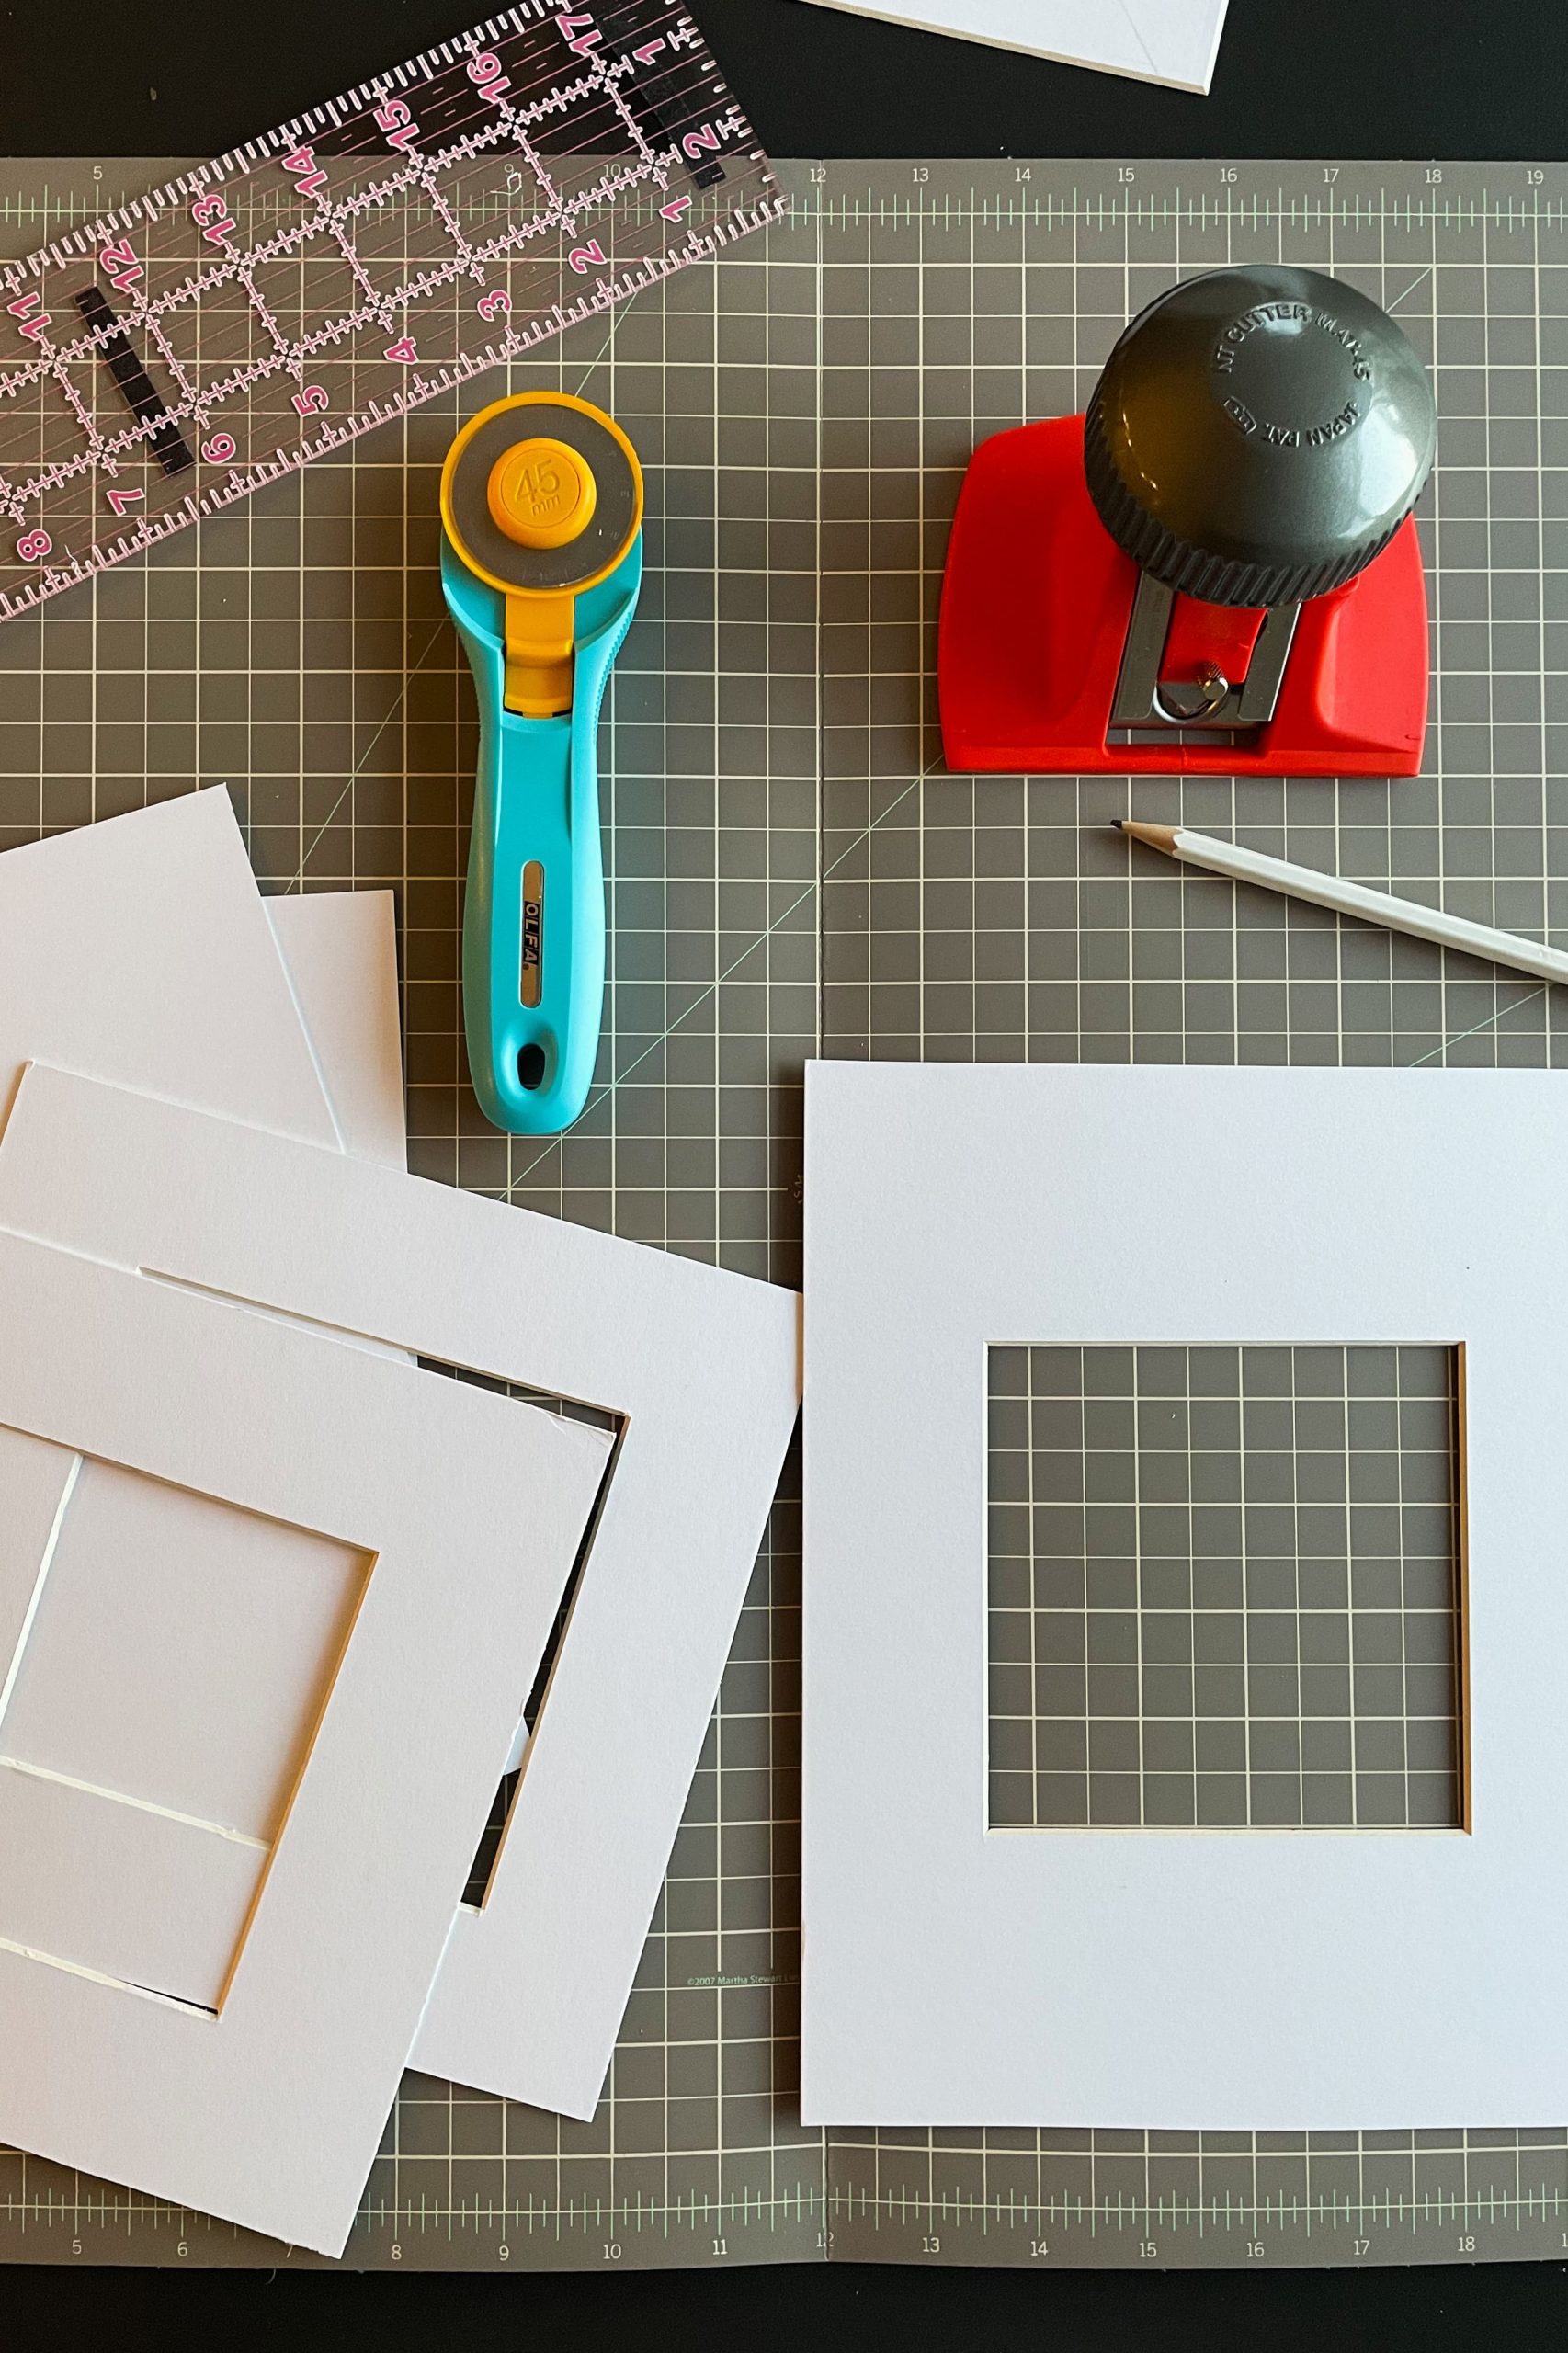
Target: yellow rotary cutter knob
542	493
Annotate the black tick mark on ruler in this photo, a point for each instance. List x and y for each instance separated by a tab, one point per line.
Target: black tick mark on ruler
140	393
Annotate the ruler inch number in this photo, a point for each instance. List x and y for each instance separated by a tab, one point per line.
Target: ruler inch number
446	216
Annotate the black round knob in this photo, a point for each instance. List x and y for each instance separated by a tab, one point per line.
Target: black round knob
1258	435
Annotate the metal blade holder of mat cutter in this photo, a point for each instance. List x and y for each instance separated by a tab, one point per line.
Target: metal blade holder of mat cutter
541	561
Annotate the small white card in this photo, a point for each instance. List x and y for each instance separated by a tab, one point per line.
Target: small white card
1172	41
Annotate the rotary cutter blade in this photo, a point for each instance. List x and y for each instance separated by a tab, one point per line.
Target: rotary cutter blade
541	560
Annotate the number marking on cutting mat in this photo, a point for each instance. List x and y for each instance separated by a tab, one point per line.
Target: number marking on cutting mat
442	219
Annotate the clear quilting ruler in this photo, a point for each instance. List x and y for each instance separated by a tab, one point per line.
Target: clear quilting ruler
444	216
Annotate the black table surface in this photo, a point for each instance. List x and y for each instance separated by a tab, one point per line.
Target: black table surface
1442	78
1475	78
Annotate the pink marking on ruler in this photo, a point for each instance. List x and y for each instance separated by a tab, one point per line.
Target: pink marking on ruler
279	340
32	320
394	118
97	445
211	214
485	70
120	266
452	226
309	178
612	92
531	155
172	361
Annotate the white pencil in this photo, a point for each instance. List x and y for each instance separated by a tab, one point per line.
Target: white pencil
1354	899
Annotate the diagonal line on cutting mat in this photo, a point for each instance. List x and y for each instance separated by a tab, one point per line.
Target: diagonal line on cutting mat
1475	1031
357	771
710	988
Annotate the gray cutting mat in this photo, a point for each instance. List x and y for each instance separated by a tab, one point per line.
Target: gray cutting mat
790	868
1223	1588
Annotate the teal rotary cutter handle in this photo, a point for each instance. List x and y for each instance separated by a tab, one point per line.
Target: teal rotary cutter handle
541	501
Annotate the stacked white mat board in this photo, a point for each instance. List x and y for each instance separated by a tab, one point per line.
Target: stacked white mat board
272	1593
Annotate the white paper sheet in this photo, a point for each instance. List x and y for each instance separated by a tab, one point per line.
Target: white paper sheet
119	1915
703	1366
1174	42
1179	1978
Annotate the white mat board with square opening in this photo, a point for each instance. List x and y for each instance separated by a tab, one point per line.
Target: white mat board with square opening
223	1896
956	1975
1172	41
701	1367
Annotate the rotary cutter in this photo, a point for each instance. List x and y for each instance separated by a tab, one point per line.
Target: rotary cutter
541	560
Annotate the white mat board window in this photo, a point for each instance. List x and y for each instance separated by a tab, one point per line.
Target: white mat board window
956	1975
230	1861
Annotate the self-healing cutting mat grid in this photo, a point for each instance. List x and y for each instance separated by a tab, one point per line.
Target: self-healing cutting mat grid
1224	1588
789	868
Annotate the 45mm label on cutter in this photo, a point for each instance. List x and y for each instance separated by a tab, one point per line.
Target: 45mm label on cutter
442	219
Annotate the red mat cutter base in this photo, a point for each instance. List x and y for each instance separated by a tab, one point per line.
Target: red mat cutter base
1036	607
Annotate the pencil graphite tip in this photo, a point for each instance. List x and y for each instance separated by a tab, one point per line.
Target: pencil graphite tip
1157	836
